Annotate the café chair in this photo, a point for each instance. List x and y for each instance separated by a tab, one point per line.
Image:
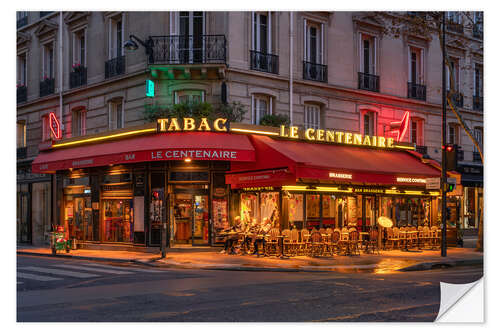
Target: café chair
316	244
272	244
294	241
286	242
373	241
336	241
304	241
354	241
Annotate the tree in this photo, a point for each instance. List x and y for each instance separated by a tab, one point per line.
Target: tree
429	24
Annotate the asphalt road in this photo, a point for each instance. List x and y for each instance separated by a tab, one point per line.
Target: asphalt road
69	290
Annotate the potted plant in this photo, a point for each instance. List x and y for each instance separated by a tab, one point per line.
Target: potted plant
77	67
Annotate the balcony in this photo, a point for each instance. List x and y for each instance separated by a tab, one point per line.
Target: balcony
417	91
477	31
42	14
22	22
477	102
455	27
22	152
264	62
458	99
421	150
187	49
114	67
368	82
47	87
22	94
460	154
78	77
315	72
476	157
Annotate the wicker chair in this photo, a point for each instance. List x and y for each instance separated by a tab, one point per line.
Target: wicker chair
426	237
272	244
354	241
327	240
294	241
286	242
316	245
304	241
434	237
398	237
373	241
336	241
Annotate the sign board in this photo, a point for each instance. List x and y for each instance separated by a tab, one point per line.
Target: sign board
451	180
433	183
54	125
150	88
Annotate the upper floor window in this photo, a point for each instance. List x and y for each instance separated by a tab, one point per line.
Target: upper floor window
78	122
262	32
116	115
46	133
415	64
455	69
478	80
48	61
79	48
453	134
478	135
22	19
116	37
22	69
313	43
261	106
477	29
417	131
21	134
189	96
312	116
454	17
368	54
368	122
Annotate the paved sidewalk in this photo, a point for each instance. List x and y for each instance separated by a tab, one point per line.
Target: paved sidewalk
386	261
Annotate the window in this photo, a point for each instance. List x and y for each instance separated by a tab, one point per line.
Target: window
415	64
454	63
189	96
21	69
21	134
417	131
46	134
478	80
478	135
312	116
262	32
48	61
78	122
261	106
313	45
368	123
116	38
116	116
453	134
191	48
454	17
368	54
79	48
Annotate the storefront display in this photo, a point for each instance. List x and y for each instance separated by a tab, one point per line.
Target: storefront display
249	207
118	220
220	218
269	208
296	210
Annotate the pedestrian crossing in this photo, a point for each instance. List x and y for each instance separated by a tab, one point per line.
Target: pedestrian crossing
60	272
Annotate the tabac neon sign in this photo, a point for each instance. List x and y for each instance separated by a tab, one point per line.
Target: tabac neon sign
54	125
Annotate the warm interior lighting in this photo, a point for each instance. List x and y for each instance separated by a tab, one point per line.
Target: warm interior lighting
242	130
187	160
103	138
393	188
405	147
317	189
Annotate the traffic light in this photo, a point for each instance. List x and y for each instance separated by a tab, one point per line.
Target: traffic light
451	157
450	187
448	213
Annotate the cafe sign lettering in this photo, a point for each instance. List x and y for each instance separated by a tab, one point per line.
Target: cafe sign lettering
192	125
331	136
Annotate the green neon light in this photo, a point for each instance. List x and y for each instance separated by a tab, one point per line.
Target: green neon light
150	88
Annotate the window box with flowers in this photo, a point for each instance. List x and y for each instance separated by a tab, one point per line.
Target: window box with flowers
47	86
78	77
22	93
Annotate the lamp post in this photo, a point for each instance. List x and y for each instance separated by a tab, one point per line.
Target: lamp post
443	145
131	45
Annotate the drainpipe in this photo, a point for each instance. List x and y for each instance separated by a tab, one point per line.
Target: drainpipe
61	71
291	69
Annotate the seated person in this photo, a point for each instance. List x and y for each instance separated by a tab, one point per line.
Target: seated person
237	228
264	230
251	233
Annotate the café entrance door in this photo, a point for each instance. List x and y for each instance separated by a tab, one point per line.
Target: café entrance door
190	217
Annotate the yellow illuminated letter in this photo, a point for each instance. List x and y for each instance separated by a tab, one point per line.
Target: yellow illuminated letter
174	125
366	141
283	131
390	142
330	136
357	139
339	136
189	124
348	138
374	141
320	135
310	134
294	132
220	128
162	125
381	141
204	126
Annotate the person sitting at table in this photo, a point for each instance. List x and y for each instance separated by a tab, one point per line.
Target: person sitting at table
263	231
237	228
251	233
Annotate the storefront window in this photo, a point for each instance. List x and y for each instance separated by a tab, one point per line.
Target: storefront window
23	225
296	210
219	216
312	211
269	207
118	220
329	210
248	207
77	209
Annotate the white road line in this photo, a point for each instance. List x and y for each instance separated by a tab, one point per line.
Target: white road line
59	272
36	277
127	268
101	270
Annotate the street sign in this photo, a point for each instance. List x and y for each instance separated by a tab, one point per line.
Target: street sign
433	184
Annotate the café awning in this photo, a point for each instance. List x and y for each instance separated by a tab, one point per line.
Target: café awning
156	147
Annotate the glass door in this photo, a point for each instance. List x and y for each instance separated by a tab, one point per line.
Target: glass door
200	220
182	218
118	221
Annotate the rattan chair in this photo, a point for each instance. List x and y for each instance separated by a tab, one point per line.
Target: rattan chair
354	241
336	241
316	244
373	241
304	241
426	237
327	240
272	244
286	242
294	241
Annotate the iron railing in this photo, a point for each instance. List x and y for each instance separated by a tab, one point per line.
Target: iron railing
421	150
22	94
47	87
368	82
455	27
42	14
477	102
114	67
187	49
417	91
22	22
458	99
78	77
476	157
315	72
477	30
264	62
22	152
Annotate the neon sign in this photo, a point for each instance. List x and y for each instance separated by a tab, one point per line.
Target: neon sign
54	125
401	127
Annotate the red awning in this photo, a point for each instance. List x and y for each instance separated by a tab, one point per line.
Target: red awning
337	163
157	147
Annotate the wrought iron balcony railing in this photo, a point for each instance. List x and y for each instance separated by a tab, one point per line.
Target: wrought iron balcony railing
476	157
22	22
22	152
417	91
114	67
42	14
477	102
315	72
187	49
421	150
368	82
477	30
460	154
78	77
455	27
47	87
264	62
22	94
458	99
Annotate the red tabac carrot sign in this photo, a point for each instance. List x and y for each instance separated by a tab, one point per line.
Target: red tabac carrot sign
55	127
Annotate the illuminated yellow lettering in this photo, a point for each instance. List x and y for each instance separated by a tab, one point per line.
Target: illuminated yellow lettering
320	135
219	125
330	136
366	141
374	141
339	136
381	141
283	131
174	125
294	132
390	142
204	126
189	124
348	138
357	139
162	124
310	134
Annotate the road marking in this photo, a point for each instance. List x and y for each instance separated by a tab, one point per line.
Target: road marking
127	268
36	277
59	272
101	270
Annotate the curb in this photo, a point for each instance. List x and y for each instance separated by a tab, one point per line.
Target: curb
441	264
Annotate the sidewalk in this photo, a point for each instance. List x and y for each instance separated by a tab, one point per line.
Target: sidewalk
385	262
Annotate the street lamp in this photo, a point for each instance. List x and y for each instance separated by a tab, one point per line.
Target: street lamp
131	45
